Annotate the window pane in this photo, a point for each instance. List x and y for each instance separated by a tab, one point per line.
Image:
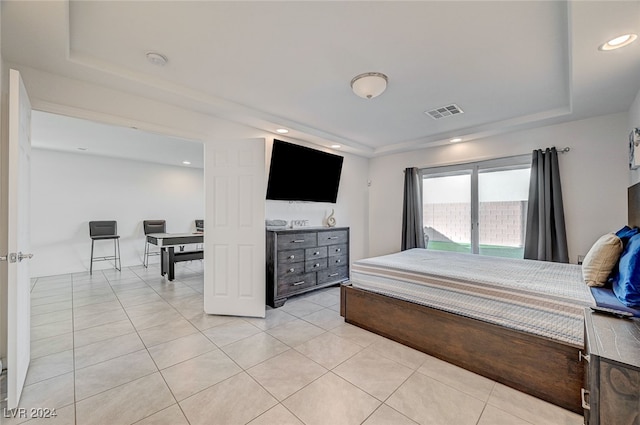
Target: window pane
447	212
502	211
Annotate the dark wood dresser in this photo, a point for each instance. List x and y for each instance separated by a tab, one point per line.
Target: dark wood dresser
305	259
612	393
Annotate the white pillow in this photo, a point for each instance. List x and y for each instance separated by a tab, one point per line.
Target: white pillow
601	259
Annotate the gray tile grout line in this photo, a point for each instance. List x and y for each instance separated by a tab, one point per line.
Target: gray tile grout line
242	368
245	371
202	332
147	348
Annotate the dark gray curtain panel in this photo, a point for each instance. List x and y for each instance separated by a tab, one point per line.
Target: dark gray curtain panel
546	235
412	231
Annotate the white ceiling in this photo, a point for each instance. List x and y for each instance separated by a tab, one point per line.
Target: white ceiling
508	64
63	133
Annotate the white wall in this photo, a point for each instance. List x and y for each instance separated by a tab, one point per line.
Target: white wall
634	122
350	207
594	177
68	190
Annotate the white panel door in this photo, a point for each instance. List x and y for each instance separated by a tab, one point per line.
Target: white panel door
235	184
19	193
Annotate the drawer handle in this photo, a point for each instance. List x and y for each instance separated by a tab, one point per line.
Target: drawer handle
332	237
585	404
291	270
297	241
334	274
297	283
316	265
291	257
316	253
581	356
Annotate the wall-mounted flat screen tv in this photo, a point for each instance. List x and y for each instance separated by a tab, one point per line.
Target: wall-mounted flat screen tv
298	173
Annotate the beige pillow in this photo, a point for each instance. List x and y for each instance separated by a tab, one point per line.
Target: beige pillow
601	259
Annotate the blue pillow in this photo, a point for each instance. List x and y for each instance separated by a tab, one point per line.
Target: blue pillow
626	233
626	286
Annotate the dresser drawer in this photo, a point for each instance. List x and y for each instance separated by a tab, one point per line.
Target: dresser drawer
338	260
291	256
332	238
314	265
290	284
290	269
333	274
337	250
317	252
297	240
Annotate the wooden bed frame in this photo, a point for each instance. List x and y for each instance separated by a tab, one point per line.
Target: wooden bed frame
539	366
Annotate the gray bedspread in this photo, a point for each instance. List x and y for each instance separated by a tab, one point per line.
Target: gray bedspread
537	297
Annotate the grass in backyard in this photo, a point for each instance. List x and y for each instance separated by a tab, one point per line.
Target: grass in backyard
492	250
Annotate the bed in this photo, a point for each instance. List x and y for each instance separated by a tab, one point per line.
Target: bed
524	332
446	305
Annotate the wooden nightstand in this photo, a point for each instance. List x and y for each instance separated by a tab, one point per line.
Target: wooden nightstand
612	384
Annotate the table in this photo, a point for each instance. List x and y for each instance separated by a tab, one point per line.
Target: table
169	257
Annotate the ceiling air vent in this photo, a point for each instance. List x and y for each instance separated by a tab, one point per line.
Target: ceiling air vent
444	111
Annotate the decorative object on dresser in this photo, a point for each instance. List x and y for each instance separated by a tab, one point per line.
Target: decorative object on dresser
331	220
275	224
612	371
302	260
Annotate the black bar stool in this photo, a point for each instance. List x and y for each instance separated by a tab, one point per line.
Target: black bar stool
105	230
151	226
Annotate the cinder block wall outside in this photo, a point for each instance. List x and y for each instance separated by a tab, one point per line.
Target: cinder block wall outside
501	223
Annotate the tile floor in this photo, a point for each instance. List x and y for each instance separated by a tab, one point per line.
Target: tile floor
132	348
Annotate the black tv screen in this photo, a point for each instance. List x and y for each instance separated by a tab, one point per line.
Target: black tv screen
298	173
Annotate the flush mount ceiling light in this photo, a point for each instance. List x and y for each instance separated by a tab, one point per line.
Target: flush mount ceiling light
336	146
369	84
157	58
455	140
282	130
618	42
186	162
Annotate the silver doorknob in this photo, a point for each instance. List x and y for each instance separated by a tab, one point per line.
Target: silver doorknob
22	256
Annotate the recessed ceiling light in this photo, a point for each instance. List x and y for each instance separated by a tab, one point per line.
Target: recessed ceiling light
621	41
336	146
455	140
157	58
282	130
186	162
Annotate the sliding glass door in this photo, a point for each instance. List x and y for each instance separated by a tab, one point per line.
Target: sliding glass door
477	208
447	211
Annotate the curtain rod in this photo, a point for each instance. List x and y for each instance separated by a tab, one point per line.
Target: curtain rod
563	150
